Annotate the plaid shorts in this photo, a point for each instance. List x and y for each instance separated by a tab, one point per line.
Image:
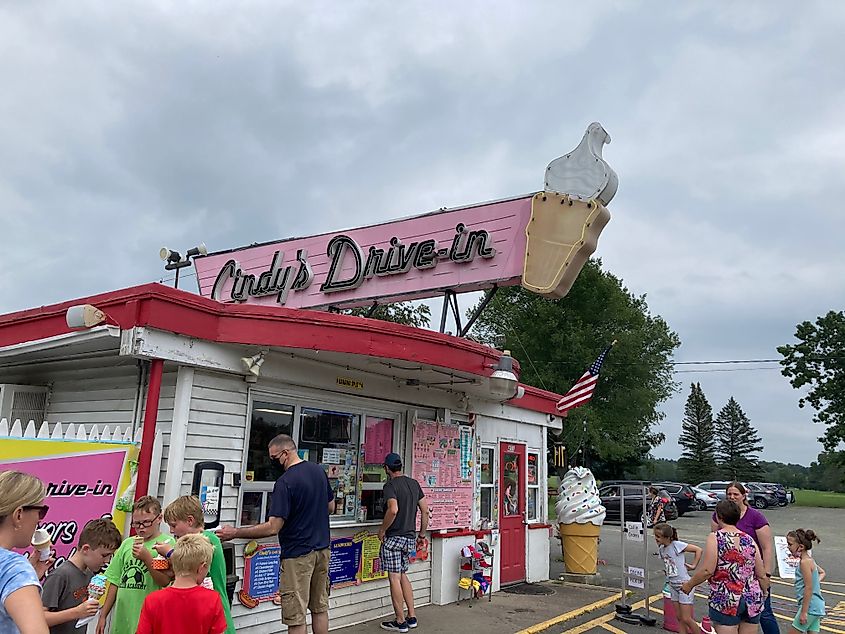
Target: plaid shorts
395	553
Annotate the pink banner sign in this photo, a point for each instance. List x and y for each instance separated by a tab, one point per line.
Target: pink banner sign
79	488
466	249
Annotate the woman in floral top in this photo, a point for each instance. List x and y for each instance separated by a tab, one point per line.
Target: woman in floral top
737	575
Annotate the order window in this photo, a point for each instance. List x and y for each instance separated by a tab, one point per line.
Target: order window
331	438
349	445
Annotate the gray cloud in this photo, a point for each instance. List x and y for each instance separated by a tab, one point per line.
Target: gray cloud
126	128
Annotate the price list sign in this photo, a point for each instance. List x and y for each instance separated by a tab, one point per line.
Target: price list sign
439	449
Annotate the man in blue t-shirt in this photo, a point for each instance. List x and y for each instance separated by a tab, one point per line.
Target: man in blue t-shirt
299	513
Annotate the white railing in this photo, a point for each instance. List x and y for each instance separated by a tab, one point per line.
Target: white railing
71	431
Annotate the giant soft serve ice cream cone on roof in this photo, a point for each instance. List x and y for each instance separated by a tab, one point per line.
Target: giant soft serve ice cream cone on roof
568	216
580	515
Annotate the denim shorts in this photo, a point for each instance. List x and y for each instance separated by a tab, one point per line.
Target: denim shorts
741	616
677	595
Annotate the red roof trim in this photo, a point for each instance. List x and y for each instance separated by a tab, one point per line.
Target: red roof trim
164	308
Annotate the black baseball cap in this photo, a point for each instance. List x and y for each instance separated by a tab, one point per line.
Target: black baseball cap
393	460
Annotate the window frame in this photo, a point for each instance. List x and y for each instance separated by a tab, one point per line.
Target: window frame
363	408
538	510
492	486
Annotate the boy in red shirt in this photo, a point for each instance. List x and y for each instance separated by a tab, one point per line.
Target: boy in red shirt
185	607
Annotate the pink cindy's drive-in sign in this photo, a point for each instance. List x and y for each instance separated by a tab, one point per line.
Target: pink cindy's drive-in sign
464	249
540	241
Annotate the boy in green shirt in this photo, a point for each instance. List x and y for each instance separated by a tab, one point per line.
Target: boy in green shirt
184	516
131	574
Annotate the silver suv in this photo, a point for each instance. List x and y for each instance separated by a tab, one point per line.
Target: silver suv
718	487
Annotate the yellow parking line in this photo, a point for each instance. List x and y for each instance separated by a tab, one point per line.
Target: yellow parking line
833	583
600	621
614	630
568	616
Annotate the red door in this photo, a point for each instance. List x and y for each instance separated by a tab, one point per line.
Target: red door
512	511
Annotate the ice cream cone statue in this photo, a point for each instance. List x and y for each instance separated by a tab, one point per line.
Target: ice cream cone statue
568	216
580	516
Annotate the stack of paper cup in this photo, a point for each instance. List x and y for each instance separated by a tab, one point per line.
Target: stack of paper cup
41	542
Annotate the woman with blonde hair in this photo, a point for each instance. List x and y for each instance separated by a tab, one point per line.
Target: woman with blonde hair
21	508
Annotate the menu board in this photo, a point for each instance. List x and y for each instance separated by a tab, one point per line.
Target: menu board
261	574
345	562
371	568
442	464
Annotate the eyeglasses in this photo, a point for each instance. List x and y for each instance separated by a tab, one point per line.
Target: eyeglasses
279	455
145	523
41	508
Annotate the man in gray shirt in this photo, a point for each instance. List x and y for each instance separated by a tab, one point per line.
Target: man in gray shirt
402	497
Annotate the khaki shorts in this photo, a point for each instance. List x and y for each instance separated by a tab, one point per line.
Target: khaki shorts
304	584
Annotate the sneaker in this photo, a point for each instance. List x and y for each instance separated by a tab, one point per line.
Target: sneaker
412	622
393	626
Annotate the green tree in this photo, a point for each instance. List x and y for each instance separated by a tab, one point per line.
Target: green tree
737	444
400	313
556	340
827	473
817	363
698	438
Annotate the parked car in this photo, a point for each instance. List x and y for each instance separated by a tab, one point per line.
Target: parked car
785	496
760	497
610	493
705	500
716	486
682	494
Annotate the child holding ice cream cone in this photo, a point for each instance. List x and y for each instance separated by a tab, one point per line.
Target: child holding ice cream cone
131	573
65	595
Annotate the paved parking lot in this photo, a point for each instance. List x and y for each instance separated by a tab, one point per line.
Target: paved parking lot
693	528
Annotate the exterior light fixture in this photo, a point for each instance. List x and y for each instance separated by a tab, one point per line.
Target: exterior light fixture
252	365
84	316
175	262
503	382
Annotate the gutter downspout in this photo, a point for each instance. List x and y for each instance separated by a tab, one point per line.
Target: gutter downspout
149	431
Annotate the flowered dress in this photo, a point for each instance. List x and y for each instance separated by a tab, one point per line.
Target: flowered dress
734	578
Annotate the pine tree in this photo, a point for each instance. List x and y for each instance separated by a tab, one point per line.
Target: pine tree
737	444
698	438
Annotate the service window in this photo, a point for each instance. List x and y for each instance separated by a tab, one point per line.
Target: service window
349	444
378	442
268	421
487	481
532	480
331	439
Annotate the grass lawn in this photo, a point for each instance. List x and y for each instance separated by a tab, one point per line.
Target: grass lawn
826	499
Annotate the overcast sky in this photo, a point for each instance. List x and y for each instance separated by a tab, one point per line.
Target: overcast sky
128	126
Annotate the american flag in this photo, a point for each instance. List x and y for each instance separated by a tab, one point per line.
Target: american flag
583	390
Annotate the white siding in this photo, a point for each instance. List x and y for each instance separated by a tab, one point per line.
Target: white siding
216	431
99	390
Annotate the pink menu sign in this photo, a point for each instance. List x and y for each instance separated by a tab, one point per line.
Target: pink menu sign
437	467
465	249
